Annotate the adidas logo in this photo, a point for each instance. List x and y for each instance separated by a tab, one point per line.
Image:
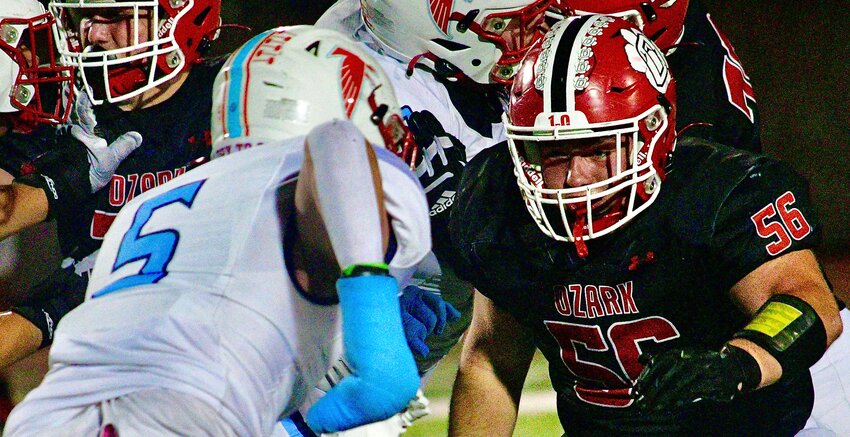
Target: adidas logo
447	198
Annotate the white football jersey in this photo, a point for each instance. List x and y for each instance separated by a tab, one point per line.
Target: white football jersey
191	292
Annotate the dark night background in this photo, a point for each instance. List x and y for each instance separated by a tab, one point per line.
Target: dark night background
796	54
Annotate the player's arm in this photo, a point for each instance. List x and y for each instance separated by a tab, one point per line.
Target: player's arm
789	295
21	206
20	338
777	284
339	196
497	351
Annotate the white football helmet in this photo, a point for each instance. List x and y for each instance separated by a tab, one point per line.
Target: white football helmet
166	37
285	81
30	75
483	40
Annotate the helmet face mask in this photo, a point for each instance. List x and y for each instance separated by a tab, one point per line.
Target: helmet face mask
149	42
33	82
267	89
482	40
605	89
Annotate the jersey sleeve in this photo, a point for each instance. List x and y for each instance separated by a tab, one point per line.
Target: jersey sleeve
480	229
766	216
712	86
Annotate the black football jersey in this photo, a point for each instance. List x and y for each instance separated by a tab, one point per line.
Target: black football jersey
174	133
712	86
659	282
480	107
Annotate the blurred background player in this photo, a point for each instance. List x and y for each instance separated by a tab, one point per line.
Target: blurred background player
144	61
234	264
35	95
32	77
716	98
605	278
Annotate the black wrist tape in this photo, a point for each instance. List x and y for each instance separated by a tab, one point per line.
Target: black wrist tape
57	295
790	330
63	175
749	367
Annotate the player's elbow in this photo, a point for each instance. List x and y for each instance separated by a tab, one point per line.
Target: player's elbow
834	329
399	387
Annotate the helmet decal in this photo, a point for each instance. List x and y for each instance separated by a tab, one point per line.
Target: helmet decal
352	73
440	11
647	58
583	30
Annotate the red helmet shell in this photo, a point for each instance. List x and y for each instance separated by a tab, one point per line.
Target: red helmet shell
663	21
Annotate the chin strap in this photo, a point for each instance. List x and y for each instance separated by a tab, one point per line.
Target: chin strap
441	67
579	229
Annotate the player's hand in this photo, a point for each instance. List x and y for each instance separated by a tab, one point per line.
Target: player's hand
440	162
82	114
676	378
384	376
424	313
103	158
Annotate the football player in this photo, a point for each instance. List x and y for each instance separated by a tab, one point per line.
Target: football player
36	96
450	68
216	298
673	293
716	102
142	61
33	79
715	95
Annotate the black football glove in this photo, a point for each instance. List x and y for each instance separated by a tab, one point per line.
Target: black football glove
51	299
439	166
81	164
441	160
676	378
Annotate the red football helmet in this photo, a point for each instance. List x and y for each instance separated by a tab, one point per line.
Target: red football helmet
663	21
165	37
594	77
33	80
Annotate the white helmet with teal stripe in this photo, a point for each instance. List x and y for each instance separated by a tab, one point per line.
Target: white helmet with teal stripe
285	81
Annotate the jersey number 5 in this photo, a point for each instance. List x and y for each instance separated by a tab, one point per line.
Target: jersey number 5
156	248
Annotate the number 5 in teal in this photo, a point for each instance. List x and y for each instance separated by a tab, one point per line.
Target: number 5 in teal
157	248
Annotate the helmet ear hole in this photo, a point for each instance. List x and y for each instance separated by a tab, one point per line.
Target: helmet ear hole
653	120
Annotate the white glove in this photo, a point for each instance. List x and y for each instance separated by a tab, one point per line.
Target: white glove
103	159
